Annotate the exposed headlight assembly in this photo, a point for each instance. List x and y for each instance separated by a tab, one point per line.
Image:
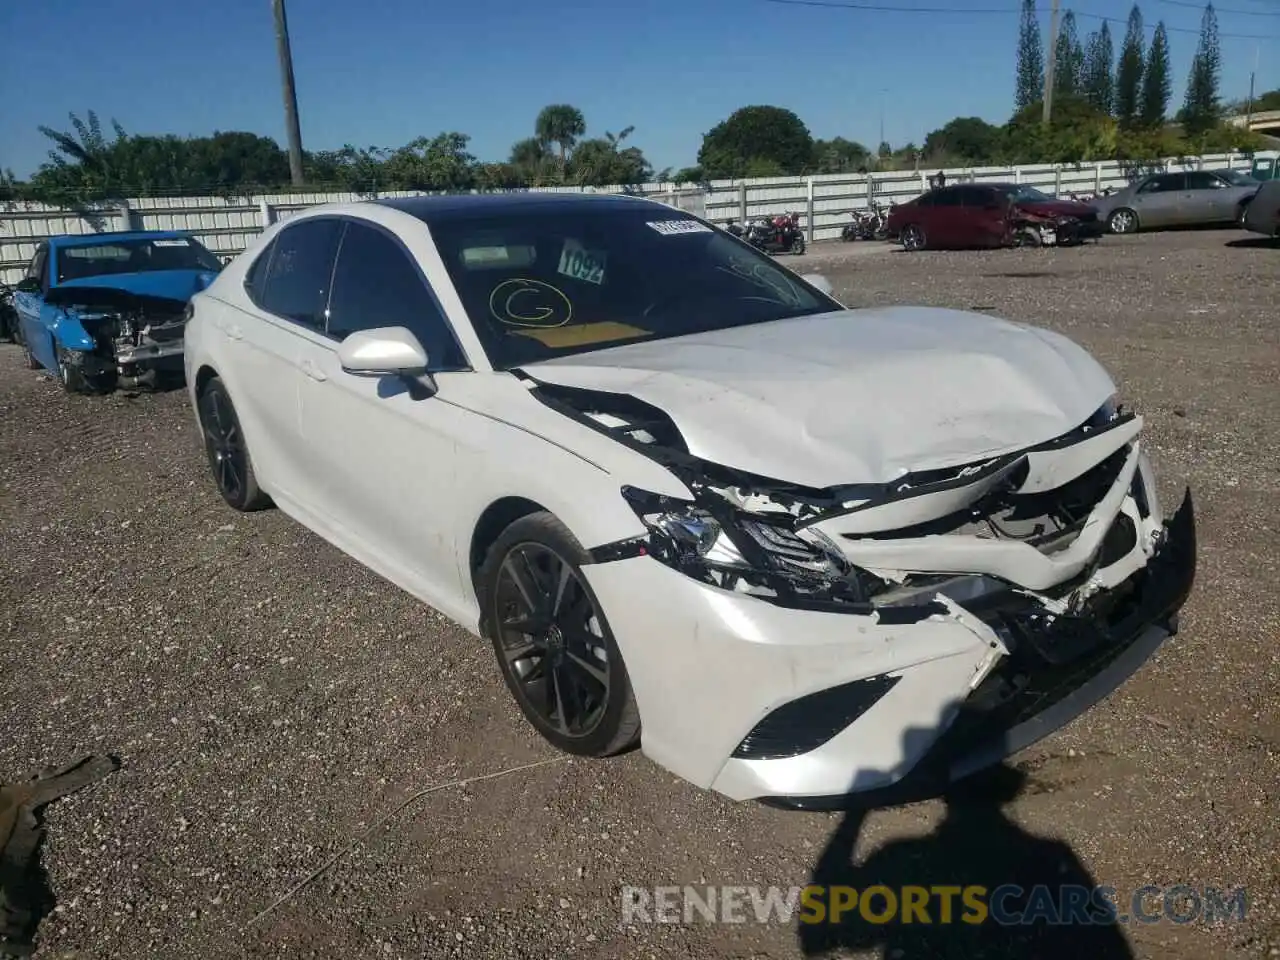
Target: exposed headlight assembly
746	553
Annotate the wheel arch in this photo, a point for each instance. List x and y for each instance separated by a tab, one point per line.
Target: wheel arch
489	526
204	374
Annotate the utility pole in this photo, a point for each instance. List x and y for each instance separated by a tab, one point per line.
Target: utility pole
1248	116
1051	63
290	95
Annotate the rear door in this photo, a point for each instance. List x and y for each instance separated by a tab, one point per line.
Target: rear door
287	287
1158	201
28	303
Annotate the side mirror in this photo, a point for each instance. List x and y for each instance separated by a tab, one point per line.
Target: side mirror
27	285
382	351
388	351
820	282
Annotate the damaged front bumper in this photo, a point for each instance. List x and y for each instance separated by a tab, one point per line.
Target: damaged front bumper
1035	691
117	338
946	646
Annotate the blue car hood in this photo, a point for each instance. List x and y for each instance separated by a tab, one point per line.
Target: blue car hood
172	284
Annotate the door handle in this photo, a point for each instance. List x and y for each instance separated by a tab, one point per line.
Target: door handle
233	331
312	371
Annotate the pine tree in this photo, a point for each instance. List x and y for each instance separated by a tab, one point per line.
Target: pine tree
1202	106
1099	79
1030	86
1129	72
1068	61
1156	85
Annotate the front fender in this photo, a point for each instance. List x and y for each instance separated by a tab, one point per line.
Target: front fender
69	333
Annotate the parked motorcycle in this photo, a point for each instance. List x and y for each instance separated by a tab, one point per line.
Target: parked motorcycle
780	234
9	329
867	225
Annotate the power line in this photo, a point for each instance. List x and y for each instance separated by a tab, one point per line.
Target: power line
1169	29
996	11
1234	11
871	6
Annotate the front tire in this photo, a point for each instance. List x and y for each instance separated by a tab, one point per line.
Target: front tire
75	380
228	454
1123	220
554	645
797	246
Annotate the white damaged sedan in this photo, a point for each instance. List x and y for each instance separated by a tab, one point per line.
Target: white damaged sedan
798	553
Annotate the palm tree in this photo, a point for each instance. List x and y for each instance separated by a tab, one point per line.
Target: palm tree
561	124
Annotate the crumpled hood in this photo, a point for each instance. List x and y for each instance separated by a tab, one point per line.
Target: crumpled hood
1058	208
856	396
171	284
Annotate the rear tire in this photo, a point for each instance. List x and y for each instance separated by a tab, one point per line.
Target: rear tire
797	246
552	640
228	454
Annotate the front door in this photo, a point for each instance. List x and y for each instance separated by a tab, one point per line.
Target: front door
388	460
945	225
1207	199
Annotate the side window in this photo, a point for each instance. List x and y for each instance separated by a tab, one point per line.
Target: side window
376	284
296	284
976	197
947	197
255	277
1165	183
1201	180
924	200
38	268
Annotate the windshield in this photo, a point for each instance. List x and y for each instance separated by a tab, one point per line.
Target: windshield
1028	195
549	284
1236	178
141	255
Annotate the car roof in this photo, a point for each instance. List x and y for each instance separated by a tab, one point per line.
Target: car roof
92	239
467	206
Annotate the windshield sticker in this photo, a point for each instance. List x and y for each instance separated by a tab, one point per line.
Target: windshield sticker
578	262
583	334
171	243
674	228
530	303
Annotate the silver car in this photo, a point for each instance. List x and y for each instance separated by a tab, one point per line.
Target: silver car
1263	215
1178	199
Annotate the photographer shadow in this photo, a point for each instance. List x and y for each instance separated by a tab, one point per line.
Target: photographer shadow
976	844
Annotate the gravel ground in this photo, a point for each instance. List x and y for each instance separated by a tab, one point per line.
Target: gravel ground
271	701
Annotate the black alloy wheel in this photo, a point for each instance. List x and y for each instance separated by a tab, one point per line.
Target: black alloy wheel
554	646
912	238
227	451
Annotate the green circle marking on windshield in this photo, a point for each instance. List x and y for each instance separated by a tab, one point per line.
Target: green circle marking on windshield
530	303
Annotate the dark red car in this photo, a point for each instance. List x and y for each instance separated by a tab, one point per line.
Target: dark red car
990	215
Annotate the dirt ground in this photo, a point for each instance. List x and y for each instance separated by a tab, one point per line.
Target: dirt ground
271	701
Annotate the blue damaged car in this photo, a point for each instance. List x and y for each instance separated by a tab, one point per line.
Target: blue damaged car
108	309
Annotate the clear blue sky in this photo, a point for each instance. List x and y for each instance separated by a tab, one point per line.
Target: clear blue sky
381	72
